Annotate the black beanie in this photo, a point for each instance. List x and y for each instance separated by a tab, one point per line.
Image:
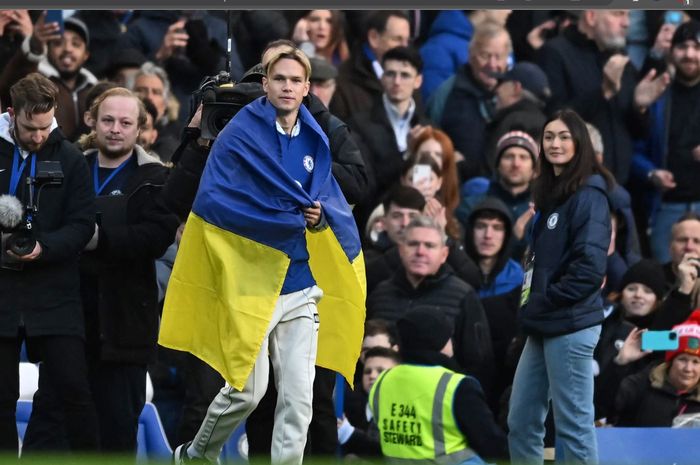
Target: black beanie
646	272
424	329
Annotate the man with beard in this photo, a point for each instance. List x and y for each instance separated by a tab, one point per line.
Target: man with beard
516	160
63	64
40	288
117	274
588	73
669	159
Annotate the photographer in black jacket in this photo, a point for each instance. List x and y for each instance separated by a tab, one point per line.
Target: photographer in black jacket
117	271
41	301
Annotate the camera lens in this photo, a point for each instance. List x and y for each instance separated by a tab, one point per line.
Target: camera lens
673	336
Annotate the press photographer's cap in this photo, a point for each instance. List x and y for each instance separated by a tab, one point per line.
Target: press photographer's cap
688	337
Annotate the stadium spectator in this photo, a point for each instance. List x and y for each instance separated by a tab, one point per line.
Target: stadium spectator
385	128
447	45
378	334
16	29
105	28
423	281
41	286
668	159
433	147
683	285
152	82
323	83
324	33
662	393
400	207
588	74
487	241
124	65
358	76
362	439
463	107
521	95
189	45
60	57
148	133
624	248
515	162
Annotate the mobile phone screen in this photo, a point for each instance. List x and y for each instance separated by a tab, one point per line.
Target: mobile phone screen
55	16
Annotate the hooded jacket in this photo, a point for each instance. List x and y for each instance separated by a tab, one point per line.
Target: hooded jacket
44	296
570	244
71	102
506	274
446	49
118	279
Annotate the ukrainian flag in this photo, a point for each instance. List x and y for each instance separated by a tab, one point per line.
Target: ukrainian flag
234	253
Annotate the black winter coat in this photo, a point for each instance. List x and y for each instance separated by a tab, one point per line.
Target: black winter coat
647	399
358	86
381	264
468	109
383	159
570	245
613	333
45	295
574	67
446	293
118	279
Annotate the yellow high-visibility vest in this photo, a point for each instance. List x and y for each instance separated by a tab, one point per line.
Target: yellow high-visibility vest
413	407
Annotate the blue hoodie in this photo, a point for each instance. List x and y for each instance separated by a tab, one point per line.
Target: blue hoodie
446	49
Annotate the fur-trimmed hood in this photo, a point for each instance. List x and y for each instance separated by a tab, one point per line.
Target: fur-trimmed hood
142	157
658	377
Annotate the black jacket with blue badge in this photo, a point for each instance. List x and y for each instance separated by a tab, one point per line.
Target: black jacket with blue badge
570	244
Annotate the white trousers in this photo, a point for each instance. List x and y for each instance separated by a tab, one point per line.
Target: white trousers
291	340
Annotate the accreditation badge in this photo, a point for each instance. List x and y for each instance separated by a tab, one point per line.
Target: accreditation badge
529	267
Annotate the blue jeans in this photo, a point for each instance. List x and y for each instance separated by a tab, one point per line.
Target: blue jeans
667	214
560	368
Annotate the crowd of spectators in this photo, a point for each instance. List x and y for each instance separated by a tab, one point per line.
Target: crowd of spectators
435	121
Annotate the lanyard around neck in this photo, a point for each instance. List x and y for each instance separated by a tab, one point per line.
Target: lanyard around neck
99	187
18	169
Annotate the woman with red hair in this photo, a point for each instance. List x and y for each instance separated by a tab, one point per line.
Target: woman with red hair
434	143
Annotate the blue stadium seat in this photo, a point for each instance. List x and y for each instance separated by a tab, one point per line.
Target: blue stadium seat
235	450
152	443
24	411
151	439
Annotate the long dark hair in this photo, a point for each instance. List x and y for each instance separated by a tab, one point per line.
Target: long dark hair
549	190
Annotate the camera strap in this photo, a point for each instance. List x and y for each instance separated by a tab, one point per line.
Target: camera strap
18	169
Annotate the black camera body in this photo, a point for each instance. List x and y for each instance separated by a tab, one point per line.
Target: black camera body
21	239
222	99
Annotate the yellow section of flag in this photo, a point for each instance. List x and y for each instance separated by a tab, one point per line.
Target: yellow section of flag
223	290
